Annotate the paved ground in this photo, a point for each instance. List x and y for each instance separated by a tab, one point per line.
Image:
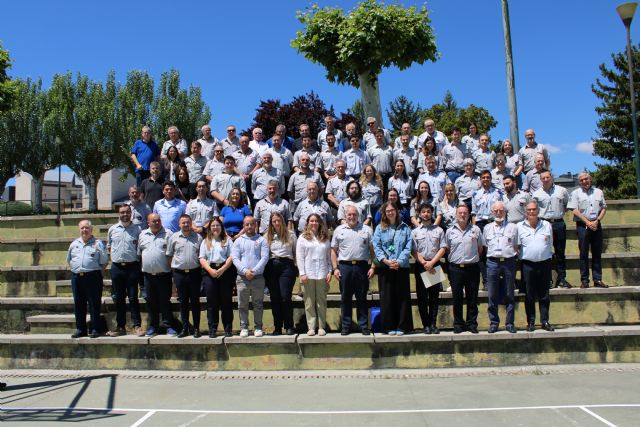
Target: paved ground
585	395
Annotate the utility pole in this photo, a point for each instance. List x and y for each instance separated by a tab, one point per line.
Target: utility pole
511	82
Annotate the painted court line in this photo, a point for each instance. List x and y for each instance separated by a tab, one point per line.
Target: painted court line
598	417
143	419
150	411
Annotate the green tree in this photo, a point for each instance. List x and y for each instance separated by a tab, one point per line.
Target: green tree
26	144
174	106
615	136
7	87
448	114
357	109
400	111
355	47
135	102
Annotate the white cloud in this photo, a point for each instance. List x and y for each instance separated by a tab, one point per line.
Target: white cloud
585	147
552	148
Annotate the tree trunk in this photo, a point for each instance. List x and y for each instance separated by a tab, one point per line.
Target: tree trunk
92	187
37	196
370	97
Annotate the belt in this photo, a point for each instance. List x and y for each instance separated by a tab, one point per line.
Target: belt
281	258
500	259
125	264
354	262
464	265
159	274
554	220
86	273
188	270
483	221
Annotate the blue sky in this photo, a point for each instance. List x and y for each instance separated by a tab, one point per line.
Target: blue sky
239	53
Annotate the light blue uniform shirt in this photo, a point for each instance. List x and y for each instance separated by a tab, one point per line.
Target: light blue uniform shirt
201	211
217	254
436	180
552	203
393	243
589	202
502	239
152	249
85	257
170	212
464	245
482	201
139	213
535	243
122	242
466	186
184	250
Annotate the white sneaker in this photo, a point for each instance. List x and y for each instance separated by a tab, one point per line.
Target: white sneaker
257	333
322	332
311	332
244	333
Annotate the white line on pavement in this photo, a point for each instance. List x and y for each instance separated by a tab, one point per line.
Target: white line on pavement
143	419
598	417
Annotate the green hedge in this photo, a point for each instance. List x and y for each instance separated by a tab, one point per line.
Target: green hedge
19	209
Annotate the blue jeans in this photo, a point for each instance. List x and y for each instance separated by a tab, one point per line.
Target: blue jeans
500	282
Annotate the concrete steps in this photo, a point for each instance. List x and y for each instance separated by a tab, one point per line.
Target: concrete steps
57	323
600	344
569	307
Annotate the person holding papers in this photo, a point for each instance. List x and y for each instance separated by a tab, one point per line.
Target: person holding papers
502	247
427	249
392	247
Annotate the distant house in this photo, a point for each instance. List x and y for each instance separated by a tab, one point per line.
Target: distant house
568	180
73	193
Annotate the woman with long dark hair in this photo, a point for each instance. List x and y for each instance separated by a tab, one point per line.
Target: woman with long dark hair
401	182
218	276
394	197
185	190
423	196
171	164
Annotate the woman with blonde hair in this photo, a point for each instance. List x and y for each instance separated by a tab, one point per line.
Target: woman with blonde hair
447	207
218	276
372	187
280	272
314	263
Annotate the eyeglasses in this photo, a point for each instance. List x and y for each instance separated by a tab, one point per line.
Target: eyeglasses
371	124
231	130
218	151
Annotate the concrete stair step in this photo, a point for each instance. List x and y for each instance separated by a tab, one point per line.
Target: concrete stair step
589	344
57	323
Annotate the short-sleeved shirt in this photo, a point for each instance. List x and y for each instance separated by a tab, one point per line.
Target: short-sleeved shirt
265	207
152	249
436	180
139	213
369	138
122	242
362	205
448	212
217	254
84	257
482	201
439	137
282	160
338	187
314	158
381	158
356	160
466	186
225	182
513	163
484	160
413	143
427	240
181	146
298	184
207	147
452	156
404	187
322	138
515	204
497	178
184	250
552	203
234	217
246	161
372	193
230	146
195	167
307	207
146	152
281	249
589	202
535	243
201	211
464	244
501	239
528	155
352	244
532	181
213	168
170	212
409	157
327	161
261	178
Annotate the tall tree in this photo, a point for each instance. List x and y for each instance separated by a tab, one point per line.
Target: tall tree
615	136
401	110
448	114
29	146
7	87
354	48
135	104
175	106
357	110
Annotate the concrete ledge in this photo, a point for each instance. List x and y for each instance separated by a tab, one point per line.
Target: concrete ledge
570	345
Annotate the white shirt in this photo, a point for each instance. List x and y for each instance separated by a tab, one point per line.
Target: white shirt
314	258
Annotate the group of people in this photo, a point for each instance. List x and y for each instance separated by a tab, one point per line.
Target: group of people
255	215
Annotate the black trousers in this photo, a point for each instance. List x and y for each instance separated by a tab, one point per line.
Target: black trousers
428	298
87	289
465	279
589	239
395	299
280	276
124	280
559	229
537	276
219	294
158	289
188	287
354	281
483	257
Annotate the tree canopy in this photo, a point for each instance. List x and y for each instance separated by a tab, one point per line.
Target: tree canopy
7	88
448	114
401	110
614	127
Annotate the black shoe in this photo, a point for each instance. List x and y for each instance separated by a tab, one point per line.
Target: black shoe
473	329
531	327
79	334
212	333
344	332
196	333
457	329
511	329
435	330
228	334
563	284
584	285
493	328
184	333
277	332
600	284
366	331
94	334
547	326
291	331
3	386
427	330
